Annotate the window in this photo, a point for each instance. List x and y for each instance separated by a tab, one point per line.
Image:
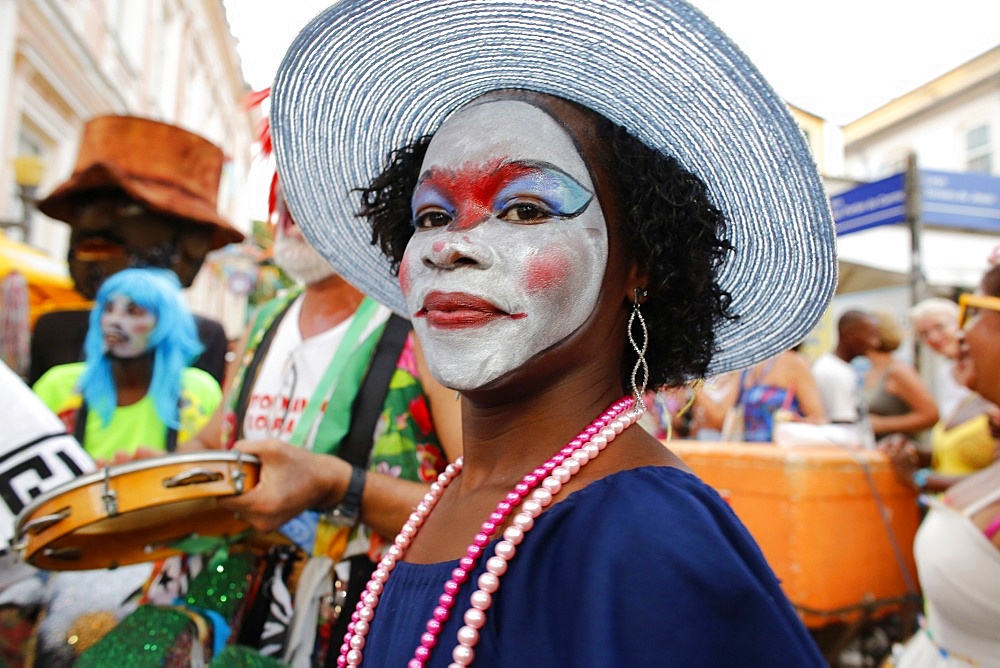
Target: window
978	155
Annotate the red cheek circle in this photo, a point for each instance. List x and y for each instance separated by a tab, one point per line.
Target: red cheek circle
549	268
404	276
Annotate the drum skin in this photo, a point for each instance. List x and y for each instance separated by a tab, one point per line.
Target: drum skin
154	503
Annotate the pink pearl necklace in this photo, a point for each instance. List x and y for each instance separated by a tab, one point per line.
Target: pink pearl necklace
542	485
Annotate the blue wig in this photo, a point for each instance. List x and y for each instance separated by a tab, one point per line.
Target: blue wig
173	343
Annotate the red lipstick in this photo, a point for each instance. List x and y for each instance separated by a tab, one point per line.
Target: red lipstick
458	310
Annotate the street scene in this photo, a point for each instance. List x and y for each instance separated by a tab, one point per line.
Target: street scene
499	333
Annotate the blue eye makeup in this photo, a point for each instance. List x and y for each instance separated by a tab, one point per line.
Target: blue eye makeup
428	198
560	193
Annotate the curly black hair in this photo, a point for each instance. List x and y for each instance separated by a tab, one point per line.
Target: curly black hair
669	227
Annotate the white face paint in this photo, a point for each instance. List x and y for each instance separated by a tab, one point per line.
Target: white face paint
511	244
126	327
295	255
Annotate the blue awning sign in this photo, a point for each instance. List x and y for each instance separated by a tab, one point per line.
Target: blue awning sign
870	205
967	201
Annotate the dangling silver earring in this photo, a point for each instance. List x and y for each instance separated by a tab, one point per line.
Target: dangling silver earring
639	388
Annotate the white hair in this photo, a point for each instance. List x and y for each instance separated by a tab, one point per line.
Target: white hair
934	306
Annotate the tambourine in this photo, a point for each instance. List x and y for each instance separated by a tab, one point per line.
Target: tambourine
134	512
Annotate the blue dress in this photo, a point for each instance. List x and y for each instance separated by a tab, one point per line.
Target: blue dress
646	567
759	404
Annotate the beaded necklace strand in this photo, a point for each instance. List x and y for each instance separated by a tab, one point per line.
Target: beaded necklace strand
542	484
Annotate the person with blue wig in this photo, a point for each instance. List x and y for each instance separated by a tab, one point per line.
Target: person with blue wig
135	394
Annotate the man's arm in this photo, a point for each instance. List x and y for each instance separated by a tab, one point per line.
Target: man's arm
293	480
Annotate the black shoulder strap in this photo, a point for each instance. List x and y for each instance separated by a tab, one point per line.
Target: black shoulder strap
171	440
357	444
250	374
742	387
356	448
80	428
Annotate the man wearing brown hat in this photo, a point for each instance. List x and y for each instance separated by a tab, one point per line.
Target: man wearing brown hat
143	194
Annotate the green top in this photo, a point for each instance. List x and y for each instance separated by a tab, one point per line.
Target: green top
134	426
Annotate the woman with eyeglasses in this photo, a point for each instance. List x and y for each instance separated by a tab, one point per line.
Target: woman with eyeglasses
957	548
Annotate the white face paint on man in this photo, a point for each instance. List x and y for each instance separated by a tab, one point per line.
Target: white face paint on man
294	254
126	327
511	244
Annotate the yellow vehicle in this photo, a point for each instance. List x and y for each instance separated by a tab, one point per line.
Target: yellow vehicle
49	284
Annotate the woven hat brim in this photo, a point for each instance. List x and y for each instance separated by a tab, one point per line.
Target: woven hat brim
368	76
161	197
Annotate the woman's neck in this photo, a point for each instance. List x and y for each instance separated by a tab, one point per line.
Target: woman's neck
880	362
132	378
501	440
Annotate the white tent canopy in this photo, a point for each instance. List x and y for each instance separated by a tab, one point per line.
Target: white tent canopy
950	258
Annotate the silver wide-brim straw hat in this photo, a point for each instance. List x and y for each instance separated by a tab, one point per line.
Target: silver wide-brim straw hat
369	76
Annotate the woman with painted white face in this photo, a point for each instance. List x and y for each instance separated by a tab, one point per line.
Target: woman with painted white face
567	219
135	394
523	217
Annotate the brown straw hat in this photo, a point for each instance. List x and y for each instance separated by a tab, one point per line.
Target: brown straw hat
168	169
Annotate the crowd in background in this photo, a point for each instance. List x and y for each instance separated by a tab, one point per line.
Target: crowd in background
333	394
865	382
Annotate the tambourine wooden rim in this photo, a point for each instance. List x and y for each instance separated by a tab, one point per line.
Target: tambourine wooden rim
134	512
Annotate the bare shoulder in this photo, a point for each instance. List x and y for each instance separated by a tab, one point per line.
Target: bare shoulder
638	448
903	371
795	362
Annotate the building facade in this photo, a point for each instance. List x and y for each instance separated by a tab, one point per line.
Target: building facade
64	61
951	123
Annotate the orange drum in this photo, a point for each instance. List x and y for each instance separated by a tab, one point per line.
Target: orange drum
835	524
134	512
